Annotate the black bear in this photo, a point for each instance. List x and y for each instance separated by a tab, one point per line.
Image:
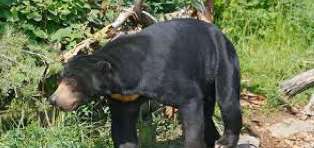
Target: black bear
184	63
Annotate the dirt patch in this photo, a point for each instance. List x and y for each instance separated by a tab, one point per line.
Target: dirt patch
281	130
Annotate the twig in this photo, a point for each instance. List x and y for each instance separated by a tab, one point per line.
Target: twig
47	117
123	16
44	59
21	119
150	16
7	58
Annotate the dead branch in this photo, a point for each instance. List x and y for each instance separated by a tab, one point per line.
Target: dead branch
135	12
209	13
123	17
150	17
146	19
84	44
138	6
298	83
8	58
44	59
186	12
204	12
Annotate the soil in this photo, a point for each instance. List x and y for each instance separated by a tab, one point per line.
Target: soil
280	130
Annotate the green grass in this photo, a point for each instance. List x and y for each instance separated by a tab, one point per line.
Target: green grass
281	46
55	137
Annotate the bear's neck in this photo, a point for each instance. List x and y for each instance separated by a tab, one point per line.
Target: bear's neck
126	55
125	76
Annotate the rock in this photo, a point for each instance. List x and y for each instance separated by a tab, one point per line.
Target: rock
289	127
247	141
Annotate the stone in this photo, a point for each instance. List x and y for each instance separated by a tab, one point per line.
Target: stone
247	141
290	127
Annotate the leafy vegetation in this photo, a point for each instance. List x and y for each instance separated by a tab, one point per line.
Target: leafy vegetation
274	40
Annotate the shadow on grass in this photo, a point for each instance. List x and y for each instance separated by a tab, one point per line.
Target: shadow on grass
175	143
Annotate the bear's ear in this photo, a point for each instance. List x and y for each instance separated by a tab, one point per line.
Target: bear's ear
104	66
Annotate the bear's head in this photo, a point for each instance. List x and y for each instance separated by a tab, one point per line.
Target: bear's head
81	78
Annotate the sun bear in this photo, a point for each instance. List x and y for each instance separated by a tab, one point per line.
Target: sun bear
184	63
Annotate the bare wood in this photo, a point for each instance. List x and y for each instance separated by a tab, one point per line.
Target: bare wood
138	6
8	58
298	83
110	31
186	12
209	13
204	12
146	18
84	44
123	17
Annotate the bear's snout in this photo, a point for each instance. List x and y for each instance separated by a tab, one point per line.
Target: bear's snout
65	97
64	103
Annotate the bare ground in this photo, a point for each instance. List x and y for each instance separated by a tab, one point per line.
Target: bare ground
281	130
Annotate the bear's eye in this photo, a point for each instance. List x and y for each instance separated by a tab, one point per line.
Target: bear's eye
59	78
72	82
58	81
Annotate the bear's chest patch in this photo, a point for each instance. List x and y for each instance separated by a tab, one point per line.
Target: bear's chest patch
123	98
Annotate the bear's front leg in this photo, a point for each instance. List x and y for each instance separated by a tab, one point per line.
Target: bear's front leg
193	123
123	126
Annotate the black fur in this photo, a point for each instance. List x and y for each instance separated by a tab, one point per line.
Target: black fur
184	63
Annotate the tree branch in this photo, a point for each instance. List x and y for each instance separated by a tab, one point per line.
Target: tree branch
123	17
7	58
110	31
298	83
204	12
138	6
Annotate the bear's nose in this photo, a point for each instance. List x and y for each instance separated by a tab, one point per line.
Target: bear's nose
52	100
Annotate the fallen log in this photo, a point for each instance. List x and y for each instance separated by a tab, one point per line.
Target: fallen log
295	85
298	83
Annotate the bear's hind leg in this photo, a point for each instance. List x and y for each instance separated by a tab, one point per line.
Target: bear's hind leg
192	113
211	133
